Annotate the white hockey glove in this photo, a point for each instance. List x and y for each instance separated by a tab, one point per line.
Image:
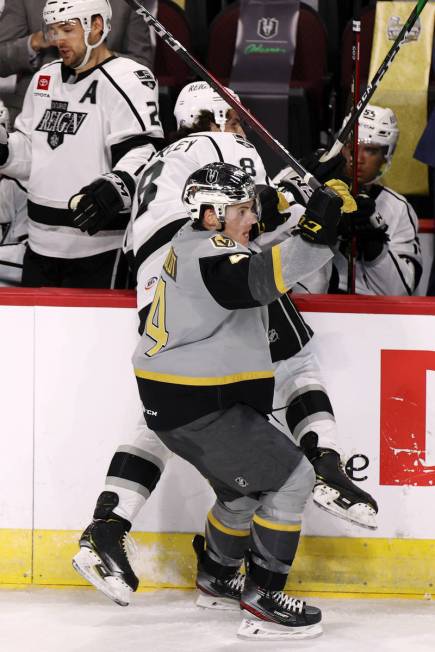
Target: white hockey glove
4	147
98	204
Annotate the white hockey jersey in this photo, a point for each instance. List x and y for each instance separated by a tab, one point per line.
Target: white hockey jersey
158	211
72	130
13	222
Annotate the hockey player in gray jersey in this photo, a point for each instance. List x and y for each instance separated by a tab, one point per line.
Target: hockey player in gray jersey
88	121
204	353
301	401
389	260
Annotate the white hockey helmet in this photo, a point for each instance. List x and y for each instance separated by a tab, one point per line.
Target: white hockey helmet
59	11
378	126
4	116
199	96
218	185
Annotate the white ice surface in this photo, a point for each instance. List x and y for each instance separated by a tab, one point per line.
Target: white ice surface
80	620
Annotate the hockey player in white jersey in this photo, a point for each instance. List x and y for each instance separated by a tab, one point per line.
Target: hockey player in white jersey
210	131
389	260
88	121
13	222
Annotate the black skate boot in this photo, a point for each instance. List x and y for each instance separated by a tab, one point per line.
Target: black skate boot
102	559
219	587
270	614
334	491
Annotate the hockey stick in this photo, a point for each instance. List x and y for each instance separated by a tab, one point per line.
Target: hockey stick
204	74
344	133
356	60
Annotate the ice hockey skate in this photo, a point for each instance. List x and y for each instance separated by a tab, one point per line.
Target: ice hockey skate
274	615
215	593
103	560
334	491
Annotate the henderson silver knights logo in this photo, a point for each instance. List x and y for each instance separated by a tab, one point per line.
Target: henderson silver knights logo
58	121
267	27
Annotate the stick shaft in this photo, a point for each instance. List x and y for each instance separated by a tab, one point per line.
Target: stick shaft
204	74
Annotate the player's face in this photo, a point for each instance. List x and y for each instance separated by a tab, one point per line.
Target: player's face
68	37
239	220
233	124
370	160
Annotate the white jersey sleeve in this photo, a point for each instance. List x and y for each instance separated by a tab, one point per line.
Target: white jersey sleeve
13	210
19	161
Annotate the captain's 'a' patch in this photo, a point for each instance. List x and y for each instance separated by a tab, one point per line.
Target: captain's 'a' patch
222	242
146	78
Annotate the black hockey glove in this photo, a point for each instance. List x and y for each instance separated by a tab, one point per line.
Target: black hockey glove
272	203
4	147
332	169
367	225
99	203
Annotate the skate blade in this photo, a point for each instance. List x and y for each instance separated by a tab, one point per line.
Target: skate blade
214	602
360	514
86	562
263	630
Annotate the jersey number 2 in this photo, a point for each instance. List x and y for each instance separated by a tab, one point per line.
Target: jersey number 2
155	325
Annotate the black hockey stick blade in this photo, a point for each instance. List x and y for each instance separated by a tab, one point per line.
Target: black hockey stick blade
368	93
204	74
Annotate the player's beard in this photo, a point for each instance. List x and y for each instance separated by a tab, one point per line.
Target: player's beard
73	59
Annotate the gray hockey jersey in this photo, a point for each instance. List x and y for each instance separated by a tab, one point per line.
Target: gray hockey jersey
205	344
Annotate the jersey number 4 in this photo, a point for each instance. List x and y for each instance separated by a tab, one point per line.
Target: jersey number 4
155	325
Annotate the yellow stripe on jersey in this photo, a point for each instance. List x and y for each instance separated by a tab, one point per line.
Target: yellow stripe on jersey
226	530
202	380
277	269
283	527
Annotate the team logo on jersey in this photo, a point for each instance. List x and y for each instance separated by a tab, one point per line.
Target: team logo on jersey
241	481
221	241
273	336
170	264
58	122
43	83
151	283
267	27
146	78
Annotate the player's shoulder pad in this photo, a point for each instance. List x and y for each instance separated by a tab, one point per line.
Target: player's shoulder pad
130	72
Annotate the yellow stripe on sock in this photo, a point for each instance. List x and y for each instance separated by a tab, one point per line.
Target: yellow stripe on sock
284	527
223	528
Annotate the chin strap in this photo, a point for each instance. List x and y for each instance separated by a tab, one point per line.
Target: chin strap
89	48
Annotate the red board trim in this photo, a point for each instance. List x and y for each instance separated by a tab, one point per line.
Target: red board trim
305	302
